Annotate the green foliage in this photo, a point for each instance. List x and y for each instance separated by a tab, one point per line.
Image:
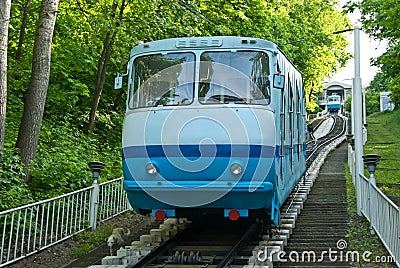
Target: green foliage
389	63
347	104
372	102
380	19
378	84
317	110
13	189
395	89
62	162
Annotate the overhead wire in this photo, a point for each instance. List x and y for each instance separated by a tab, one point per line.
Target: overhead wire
199	15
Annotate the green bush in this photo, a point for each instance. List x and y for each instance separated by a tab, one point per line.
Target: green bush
14	191
62	162
62	158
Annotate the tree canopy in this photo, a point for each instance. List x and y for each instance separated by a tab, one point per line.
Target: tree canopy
381	20
302	29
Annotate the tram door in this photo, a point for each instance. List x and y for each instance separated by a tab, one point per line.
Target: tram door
281	182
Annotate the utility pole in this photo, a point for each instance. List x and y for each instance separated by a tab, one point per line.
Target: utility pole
357	120
357	115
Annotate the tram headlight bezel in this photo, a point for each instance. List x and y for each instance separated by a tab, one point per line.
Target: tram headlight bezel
151	169
236	169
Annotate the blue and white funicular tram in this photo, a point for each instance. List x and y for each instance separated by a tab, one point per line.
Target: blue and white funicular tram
212	125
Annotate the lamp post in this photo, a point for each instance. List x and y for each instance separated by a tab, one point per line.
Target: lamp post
371	160
357	117
96	168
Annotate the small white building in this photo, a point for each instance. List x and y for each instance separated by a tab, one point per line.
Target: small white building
385	101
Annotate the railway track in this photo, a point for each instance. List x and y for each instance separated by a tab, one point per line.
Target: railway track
206	244
223	243
314	147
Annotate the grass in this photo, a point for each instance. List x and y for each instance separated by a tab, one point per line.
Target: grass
384	140
89	240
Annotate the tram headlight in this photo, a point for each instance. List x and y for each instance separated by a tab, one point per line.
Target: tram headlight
236	169
151	168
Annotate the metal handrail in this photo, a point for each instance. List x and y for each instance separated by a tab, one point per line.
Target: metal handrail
43	201
31	228
382	213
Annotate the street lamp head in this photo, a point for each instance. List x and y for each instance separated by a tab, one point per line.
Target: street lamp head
96	166
371	160
350	139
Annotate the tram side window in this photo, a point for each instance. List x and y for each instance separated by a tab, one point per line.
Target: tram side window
162	79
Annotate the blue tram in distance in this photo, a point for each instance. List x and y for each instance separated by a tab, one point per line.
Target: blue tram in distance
213	125
334	104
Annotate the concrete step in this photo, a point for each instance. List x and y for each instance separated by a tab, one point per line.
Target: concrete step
323	219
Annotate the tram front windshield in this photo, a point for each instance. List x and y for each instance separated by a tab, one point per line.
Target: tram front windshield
162	80
224	77
239	77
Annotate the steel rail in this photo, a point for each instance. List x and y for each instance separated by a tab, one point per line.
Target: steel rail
253	230
325	140
329	138
146	260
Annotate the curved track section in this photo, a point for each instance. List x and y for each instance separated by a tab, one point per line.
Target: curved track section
314	147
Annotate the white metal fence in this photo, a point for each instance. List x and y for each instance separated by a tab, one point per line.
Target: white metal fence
383	215
28	229
381	212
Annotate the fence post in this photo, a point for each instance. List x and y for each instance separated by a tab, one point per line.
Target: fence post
350	139
371	160
96	168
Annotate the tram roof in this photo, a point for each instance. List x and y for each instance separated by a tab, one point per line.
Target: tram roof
203	43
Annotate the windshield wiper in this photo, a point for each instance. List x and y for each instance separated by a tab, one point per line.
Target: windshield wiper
229	98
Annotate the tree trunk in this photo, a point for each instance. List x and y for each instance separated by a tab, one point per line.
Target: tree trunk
117	100
100	78
28	135
5	7
18	54
103	62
